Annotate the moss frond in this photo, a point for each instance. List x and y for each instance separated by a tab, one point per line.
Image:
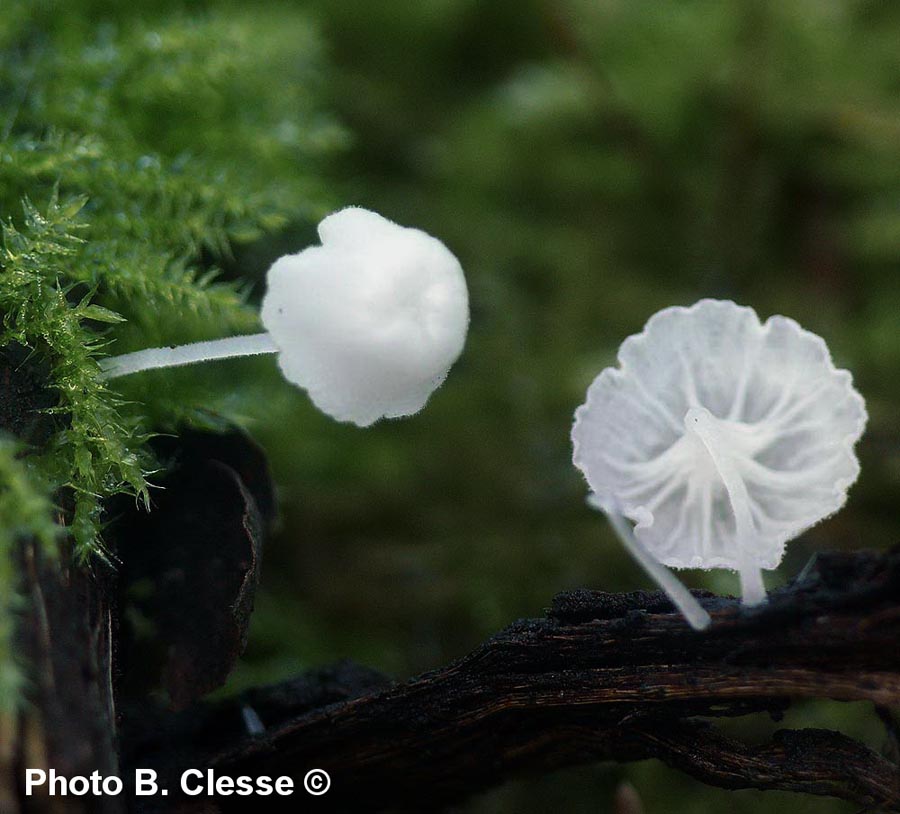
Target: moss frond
95	453
138	148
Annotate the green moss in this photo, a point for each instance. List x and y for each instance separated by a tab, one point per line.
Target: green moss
138	148
94	453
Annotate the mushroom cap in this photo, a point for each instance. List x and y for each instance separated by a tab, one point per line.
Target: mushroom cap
369	322
708	388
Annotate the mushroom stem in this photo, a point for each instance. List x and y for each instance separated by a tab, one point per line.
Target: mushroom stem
177	355
701	422
753	589
673	587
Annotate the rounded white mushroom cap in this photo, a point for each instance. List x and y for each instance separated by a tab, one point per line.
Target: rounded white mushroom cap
369	322
721	437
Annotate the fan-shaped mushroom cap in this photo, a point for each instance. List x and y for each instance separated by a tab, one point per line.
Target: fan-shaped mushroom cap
369	322
721	437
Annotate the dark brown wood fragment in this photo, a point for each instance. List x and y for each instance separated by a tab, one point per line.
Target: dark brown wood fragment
607	677
65	631
190	566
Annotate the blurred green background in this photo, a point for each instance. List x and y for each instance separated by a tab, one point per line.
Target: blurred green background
589	162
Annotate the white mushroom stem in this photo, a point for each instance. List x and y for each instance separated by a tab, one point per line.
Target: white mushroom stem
673	587
177	355
701	423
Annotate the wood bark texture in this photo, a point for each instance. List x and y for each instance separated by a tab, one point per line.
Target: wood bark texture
602	677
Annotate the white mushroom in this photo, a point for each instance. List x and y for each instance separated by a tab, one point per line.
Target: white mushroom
368	323
721	438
